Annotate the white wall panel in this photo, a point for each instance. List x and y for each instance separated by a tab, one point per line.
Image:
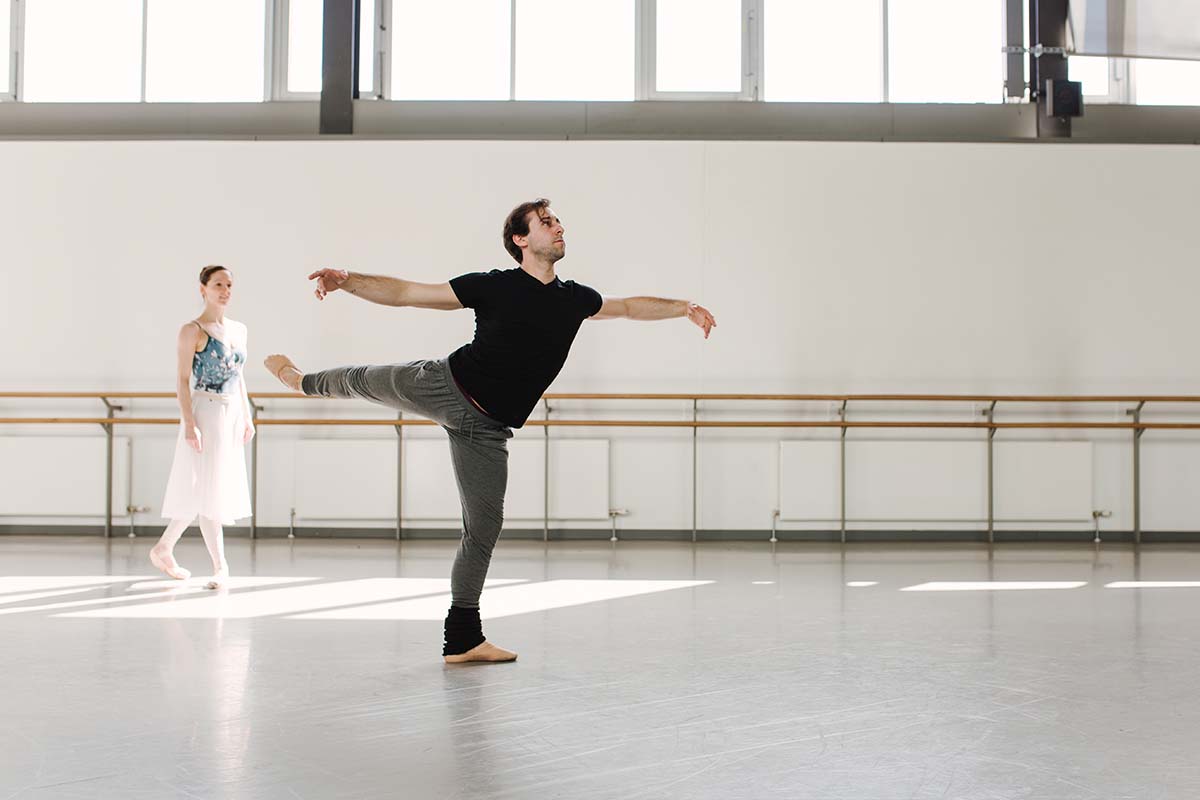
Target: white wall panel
345	478
61	475
1047	481
809	480
1170	483
847	267
916	480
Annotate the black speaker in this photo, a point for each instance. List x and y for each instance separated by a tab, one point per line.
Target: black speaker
1064	98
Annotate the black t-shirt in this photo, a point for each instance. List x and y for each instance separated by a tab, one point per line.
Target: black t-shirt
523	332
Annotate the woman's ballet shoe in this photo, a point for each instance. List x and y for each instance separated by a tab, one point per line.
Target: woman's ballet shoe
168	566
219	580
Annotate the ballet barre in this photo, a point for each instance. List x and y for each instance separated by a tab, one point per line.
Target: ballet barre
1135	426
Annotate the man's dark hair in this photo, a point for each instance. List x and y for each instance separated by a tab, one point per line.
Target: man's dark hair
517	225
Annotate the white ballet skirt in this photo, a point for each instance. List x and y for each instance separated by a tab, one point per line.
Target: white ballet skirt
213	482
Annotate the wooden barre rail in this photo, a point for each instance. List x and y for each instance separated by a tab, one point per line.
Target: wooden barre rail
963	398
1136	426
642	423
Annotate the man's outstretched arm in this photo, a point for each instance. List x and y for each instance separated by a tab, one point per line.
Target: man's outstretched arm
653	308
385	290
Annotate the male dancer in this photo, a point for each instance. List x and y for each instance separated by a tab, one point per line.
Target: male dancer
525	321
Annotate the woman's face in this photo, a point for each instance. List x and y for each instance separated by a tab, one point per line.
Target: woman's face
218	290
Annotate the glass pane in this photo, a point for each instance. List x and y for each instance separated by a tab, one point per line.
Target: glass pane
1166	83
699	47
305	40
366	47
305	18
1092	71
945	51
450	50
205	50
816	51
5	50
575	50
96	58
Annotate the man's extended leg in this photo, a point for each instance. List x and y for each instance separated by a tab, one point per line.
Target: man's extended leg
384	384
416	387
480	457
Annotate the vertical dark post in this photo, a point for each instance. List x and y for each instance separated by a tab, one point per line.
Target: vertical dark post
108	476
1014	69
1137	472
991	479
1048	29
546	474
399	475
254	473
339	66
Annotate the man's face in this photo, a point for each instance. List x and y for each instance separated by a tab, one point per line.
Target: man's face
545	239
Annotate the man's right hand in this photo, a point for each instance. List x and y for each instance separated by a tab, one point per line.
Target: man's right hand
328	280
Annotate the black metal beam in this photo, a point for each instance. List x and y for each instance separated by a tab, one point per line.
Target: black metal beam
1048	28
1014	65
339	84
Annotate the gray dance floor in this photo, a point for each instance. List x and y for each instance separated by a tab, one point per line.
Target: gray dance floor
647	670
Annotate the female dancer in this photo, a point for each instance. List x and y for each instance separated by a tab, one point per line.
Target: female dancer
208	476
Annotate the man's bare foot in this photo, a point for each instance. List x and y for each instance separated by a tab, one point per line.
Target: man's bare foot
285	370
484	652
161	558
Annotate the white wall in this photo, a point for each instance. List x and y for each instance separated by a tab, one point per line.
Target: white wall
831	267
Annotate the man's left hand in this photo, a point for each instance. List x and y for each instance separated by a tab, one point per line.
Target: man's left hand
700	316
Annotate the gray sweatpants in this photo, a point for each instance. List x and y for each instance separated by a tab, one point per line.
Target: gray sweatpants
478	448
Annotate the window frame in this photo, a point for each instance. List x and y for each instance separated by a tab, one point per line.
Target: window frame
646	56
1131	83
761	77
17	64
1120	85
1122	88
278	59
1002	97
278	54
270	40
638	38
16	46
382	62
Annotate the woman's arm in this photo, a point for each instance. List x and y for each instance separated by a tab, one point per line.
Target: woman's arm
185	351
248	410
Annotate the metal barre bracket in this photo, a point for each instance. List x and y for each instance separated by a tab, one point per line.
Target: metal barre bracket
1038	50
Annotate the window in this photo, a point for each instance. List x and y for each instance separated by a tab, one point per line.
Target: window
205	50
816	51
304	35
699	46
366	47
305	42
96	58
1166	83
927	36
575	50
1093	72
450	50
